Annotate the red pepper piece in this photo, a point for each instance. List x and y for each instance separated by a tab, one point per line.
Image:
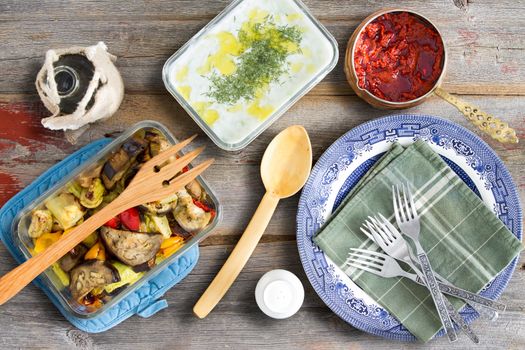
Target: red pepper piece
113	223
130	219
204	207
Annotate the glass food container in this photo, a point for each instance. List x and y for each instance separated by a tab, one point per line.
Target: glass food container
25	243
248	66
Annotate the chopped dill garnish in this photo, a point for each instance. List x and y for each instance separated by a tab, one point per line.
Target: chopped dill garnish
263	61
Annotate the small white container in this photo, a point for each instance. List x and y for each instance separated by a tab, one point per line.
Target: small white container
279	294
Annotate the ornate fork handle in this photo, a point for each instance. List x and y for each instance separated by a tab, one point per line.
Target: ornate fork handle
456	317
467	296
436	294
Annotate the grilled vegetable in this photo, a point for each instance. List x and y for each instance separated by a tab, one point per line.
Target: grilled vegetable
157	144
171	245
161	207
204	207
85	179
144	267
115	168
96	252
113	223
71	259
127	277
195	190
46	240
91	274
65	209
91	240
162	225
130	219
189	216
74	188
41	222
132	248
92	196
157	208
62	275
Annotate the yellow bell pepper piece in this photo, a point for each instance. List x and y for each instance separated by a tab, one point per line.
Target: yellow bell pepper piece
97	252
45	241
171	241
171	245
169	251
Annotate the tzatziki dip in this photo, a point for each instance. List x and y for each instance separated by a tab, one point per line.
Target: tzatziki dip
248	66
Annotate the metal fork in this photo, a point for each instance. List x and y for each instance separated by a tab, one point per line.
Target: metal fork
388	238
408	221
386	266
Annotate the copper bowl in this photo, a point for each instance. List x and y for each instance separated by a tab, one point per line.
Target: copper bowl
366	95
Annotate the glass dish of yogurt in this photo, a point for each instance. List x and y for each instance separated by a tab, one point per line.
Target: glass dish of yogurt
251	63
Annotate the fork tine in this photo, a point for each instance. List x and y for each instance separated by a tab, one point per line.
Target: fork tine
405	199
395	198
382	231
368	234
370	258
180	181
400	202
373	230
159	187
370	252
163	156
362	261
411	199
365	256
364	268
379	240
191	174
391	228
388	227
173	168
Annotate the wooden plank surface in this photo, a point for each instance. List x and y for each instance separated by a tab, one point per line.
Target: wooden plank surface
487	44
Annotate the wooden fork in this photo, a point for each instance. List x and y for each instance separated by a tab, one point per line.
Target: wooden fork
154	181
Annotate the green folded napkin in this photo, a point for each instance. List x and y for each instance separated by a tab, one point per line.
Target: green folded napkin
466	243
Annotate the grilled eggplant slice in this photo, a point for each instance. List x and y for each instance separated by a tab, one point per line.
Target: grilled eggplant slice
71	259
91	274
132	248
115	168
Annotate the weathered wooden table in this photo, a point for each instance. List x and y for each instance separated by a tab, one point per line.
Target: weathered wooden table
486	41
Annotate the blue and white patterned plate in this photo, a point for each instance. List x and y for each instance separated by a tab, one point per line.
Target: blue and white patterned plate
348	159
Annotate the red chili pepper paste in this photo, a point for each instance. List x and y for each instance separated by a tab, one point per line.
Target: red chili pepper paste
398	57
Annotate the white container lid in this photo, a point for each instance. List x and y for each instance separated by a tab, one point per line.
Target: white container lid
279	294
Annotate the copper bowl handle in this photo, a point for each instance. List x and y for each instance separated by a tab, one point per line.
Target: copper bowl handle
490	125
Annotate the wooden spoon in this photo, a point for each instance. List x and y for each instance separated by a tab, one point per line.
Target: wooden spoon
154	181
285	168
